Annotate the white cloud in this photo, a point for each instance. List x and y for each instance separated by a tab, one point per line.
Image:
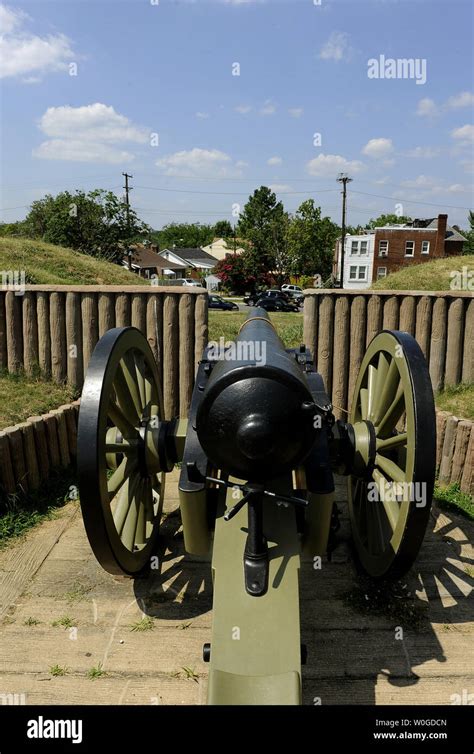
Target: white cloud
337	47
426	108
378	148
268	108
464	134
431	185
331	164
10	19
463	99
278	188
274	161
243	109
22	53
87	133
421	181
423	152
199	162
467	165
201	115
296	112
75	150
97	122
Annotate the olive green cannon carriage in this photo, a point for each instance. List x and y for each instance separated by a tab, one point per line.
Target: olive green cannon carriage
257	456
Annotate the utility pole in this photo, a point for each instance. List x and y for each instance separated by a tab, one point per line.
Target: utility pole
127	209
344	179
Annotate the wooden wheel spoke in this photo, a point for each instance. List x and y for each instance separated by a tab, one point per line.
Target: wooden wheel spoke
382	370
139	361
390	443
140	532
386	391
125	448
125	397
393	413
128	368
390	468
364	403
371	382
116	415
130	525
124	498
120	476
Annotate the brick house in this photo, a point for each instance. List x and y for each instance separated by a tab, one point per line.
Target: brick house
386	249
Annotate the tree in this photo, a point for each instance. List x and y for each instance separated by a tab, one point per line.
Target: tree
95	223
311	240
258	224
184	235
390	219
235	273
223	229
469	246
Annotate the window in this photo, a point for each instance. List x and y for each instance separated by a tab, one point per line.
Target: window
383	248
362	273
409	248
363	247
354	247
425	247
381	272
353	273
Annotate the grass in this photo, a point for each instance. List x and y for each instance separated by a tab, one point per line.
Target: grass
289	326
22	396
31	622
145	624
392	600
20	512
457	400
96	672
77	592
47	264
429	276
64	622
58	670
451	497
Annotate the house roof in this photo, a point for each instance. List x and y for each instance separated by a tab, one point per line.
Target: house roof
145	257
192	254
451	233
194	257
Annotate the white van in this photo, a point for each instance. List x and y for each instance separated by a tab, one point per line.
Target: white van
186	282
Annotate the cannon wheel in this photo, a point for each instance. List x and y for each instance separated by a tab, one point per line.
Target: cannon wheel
120	485
393	400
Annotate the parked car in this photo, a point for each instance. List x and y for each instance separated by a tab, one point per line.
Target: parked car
187	282
280	303
271	304
273	293
292	290
216	302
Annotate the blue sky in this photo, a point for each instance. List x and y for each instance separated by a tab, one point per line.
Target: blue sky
152	91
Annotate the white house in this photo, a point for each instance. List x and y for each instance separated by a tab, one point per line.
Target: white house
218	249
358	260
193	259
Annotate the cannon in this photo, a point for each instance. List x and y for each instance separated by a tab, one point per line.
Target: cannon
257	456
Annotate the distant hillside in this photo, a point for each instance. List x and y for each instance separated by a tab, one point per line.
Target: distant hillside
429	276
47	264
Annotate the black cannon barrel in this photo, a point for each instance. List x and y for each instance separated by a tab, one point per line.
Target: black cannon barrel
256	416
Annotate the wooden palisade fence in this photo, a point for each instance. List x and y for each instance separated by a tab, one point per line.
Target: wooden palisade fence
54	329
339	324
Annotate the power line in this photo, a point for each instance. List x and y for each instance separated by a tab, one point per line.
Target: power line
229	193
410	201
